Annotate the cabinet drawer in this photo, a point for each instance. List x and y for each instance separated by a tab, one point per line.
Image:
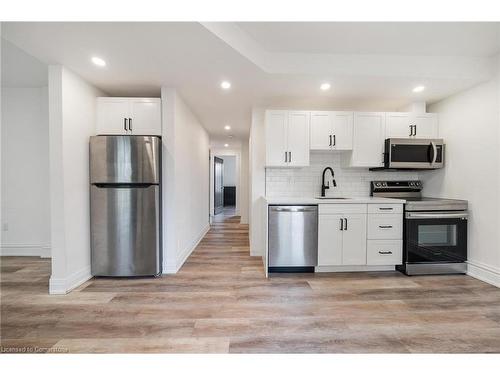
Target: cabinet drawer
334	208
384	252
385	227
385	208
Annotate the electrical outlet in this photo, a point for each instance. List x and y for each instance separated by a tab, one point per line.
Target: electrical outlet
5	227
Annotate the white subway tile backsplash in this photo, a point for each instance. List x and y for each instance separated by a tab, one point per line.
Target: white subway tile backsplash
306	182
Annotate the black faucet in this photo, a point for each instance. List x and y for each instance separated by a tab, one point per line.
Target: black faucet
323	186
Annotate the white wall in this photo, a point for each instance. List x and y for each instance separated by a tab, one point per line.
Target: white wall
257	178
25	172
25	207
243	197
230	175
72	112
469	122
186	180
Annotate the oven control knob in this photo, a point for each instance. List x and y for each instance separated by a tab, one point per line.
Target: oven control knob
377	184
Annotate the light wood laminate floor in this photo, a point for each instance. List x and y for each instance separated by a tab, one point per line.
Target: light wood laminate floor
220	302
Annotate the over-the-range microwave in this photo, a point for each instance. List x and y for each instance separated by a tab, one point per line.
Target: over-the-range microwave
405	153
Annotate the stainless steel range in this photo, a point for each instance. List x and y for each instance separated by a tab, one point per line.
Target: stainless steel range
435	229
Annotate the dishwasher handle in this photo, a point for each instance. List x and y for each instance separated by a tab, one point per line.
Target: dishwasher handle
294	209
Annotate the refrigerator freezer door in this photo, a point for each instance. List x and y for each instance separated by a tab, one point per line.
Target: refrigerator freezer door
125	230
125	159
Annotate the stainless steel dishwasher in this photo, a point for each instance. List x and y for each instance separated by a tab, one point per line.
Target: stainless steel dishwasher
293	238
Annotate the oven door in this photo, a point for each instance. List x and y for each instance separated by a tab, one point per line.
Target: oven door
439	237
404	153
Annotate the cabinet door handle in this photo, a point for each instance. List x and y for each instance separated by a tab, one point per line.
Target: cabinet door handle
415	130
286	158
345	226
385	252
411	130
330	140
125	124
341	224
129	124
385	226
385	208
289	156
334	140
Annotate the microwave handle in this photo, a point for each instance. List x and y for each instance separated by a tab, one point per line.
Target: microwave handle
434	153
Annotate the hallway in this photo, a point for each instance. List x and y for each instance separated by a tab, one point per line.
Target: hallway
220	302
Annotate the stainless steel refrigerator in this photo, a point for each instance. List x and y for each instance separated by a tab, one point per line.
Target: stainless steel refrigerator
125	205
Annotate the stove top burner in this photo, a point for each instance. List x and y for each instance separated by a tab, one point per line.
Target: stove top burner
411	191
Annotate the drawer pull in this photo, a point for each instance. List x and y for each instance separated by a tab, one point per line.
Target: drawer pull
385	252
385	226
385	208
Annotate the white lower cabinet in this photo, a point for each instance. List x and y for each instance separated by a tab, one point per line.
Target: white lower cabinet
360	234
384	252
342	234
385	226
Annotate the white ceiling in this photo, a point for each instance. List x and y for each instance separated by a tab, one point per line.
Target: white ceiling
474	39
370	66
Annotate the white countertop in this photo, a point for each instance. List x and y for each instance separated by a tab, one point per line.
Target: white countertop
313	200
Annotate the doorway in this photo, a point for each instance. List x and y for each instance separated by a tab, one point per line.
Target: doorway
218	185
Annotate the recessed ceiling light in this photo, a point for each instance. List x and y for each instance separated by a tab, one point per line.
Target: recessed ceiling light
419	89
325	86
98	61
227	127
225	85
226	145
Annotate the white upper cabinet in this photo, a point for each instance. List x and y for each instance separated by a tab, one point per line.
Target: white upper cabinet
287	138
342	130
426	125
112	116
298	138
128	116
398	125
368	139
145	116
276	142
411	125
331	130
321	130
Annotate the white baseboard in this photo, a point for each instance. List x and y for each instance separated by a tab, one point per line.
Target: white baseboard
65	285
25	250
181	259
483	272
353	268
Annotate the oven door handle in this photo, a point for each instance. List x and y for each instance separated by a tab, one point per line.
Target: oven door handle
436	215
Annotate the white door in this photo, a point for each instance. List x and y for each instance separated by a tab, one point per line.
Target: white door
342	130
145	116
112	116
329	240
354	240
298	138
398	125
276	138
368	139
321	130
426	125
